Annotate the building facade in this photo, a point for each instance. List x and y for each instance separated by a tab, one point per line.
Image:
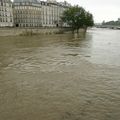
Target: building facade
51	12
6	13
36	13
27	13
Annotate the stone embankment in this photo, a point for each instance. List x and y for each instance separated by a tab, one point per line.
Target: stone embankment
31	31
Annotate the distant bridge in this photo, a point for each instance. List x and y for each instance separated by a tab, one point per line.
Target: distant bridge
108	26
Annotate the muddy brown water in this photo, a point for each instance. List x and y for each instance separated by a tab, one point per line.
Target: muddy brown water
61	77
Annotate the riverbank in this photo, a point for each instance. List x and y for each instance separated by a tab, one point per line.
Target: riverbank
33	31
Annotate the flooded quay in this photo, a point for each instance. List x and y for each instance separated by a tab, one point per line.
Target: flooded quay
60	77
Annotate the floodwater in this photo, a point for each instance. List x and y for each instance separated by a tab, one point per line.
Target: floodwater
61	77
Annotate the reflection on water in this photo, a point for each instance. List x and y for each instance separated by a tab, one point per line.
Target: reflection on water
60	77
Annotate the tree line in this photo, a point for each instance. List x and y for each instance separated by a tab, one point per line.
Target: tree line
77	17
116	23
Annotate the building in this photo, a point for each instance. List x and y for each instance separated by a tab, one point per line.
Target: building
36	13
51	12
6	13
27	13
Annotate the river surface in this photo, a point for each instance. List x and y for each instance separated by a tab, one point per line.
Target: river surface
61	77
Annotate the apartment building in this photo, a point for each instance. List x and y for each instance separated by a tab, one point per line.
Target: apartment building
51	12
36	13
6	13
27	13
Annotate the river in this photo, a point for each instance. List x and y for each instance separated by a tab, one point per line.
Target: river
61	77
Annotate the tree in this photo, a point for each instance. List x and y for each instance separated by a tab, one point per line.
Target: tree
76	17
88	22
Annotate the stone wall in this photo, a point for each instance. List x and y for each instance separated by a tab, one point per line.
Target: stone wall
33	31
30	31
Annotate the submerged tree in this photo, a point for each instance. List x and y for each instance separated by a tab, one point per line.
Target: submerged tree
89	22
77	17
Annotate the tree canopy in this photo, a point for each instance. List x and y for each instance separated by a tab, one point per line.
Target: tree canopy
77	17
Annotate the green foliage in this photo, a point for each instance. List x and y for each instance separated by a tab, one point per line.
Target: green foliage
77	17
89	22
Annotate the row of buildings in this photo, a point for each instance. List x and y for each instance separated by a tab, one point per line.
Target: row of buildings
6	13
32	13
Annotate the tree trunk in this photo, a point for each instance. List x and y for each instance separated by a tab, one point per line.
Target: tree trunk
85	28
77	31
73	31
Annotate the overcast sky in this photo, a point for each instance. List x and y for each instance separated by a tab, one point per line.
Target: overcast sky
101	9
